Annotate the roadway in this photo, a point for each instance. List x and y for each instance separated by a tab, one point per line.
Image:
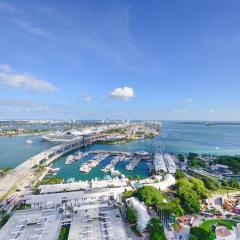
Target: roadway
24	173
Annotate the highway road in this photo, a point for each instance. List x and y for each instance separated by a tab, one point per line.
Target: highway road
23	174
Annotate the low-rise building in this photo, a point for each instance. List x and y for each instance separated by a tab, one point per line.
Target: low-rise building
91	214
94	222
64	199
220	168
64	187
28	224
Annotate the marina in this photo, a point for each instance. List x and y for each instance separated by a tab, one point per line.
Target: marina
79	155
175	137
86	167
100	164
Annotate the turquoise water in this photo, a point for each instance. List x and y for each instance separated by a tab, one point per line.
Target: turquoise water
72	170
175	137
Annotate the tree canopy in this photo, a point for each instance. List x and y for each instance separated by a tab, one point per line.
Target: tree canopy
232	161
173	207
179	174
156	230
128	194
199	187
198	233
189	194
131	215
150	195
212	183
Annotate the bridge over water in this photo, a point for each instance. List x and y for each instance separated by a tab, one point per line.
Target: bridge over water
24	174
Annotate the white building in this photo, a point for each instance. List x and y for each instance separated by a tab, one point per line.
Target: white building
142	214
67	187
93	222
23	225
77	198
167	182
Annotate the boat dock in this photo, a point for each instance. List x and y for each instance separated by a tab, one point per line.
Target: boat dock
113	153
113	163
87	166
132	164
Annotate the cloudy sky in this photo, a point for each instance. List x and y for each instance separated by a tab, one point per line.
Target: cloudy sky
120	59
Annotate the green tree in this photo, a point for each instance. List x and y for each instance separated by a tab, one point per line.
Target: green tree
190	201
130	178
4	218
212	183
156	230
180	157
131	215
150	195
199	187
128	194
175	207
232	161
179	174
192	156
189	198
234	183
64	233
200	234
225	183
137	178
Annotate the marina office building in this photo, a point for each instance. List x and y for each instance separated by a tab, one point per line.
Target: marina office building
91	214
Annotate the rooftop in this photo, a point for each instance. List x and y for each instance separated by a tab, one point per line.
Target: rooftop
57	198
44	225
97	223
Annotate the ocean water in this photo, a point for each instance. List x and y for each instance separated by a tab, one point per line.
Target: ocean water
219	139
175	137
15	150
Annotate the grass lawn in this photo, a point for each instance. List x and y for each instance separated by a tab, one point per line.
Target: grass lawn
225	191
207	225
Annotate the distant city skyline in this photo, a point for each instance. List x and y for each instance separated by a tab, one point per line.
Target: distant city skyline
146	60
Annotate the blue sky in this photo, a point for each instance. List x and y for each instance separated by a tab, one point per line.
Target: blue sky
95	59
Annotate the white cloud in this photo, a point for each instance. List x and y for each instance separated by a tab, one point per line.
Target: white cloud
87	99
30	28
189	100
212	111
180	111
5	68
124	93
10	78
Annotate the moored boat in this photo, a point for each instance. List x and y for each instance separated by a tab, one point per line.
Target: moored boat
70	159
